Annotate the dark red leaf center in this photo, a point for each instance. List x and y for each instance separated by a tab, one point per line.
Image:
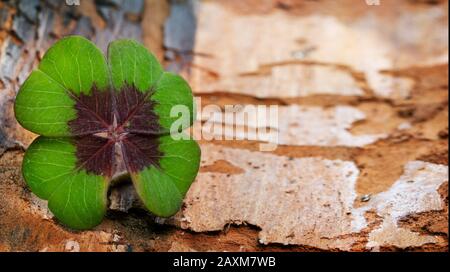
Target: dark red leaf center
114	127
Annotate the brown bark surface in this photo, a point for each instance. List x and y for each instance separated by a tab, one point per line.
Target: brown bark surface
362	92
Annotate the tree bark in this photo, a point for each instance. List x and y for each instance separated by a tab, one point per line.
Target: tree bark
362	97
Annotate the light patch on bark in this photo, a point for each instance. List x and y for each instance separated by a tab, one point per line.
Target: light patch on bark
40	207
298	125
277	55
307	201
72	246
415	191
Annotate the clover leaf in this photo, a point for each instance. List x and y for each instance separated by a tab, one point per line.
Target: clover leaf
95	114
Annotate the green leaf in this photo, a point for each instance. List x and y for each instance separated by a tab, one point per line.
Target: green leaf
76	198
162	189
172	90
85	107
43	106
131	63
45	102
76	63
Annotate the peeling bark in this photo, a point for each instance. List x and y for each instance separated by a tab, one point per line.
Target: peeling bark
363	106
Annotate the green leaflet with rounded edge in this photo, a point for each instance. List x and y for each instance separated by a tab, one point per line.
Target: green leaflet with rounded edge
44	104
162	190
76	198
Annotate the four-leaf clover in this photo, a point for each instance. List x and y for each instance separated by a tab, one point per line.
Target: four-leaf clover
95	115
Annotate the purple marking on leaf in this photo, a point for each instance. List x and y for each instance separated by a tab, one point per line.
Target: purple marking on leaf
135	111
94	112
140	151
107	117
95	154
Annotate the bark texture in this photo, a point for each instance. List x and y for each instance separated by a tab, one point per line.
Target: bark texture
362	92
